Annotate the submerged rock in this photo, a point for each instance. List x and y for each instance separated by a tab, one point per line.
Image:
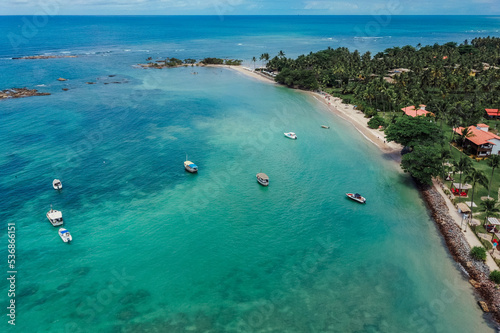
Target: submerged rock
20	92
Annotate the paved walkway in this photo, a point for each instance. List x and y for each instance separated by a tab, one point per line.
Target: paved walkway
469	234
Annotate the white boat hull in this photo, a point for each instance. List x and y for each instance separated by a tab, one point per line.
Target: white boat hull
56	184
263	179
65	235
55	217
359	199
263	182
188	166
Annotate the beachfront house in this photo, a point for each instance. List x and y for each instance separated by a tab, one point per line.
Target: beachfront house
414	112
493	113
480	141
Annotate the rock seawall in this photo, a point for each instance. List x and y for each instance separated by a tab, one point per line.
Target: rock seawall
460	250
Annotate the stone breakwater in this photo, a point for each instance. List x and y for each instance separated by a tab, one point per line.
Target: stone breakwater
460	250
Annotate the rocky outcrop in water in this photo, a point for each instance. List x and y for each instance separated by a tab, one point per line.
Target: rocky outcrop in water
460	250
20	92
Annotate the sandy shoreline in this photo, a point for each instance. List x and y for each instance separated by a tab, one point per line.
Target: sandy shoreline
443	212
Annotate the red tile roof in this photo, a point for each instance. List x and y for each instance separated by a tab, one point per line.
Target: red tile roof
482	125
478	137
412	112
492	112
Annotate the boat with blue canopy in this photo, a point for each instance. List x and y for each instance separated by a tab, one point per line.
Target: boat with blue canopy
190	166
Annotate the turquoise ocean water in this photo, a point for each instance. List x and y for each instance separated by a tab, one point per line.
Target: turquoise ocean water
157	249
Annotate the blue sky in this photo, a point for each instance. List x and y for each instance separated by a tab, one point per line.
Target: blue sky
249	7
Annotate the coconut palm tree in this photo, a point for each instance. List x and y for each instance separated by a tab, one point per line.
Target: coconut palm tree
489	208
494	162
466	133
474	177
264	56
445	155
254	60
463	165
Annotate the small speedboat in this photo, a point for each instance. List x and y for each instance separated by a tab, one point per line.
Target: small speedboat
263	179
356	197
190	166
291	135
324	126
55	217
65	235
56	184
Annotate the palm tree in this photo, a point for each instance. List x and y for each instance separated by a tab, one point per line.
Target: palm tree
463	165
494	162
466	133
264	56
445	154
489	208
254	60
475	177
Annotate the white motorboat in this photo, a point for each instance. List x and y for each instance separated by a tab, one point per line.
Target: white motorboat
56	184
65	235
55	217
263	179
324	126
356	197
291	135
190	166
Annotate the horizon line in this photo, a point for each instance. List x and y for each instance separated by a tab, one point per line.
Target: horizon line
225	15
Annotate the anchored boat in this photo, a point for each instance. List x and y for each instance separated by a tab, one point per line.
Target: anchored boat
190	166
356	197
56	184
263	179
55	217
291	135
65	235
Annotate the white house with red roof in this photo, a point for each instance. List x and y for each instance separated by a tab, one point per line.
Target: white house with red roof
480	140
413	112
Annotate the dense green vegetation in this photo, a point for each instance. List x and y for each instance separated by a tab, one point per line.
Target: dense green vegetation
219	61
455	81
495	276
478	253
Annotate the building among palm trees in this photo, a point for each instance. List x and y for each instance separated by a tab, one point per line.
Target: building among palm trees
493	113
479	140
413	112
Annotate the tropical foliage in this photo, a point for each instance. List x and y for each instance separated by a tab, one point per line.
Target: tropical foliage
478	253
456	81
412	131
495	276
489	208
423	163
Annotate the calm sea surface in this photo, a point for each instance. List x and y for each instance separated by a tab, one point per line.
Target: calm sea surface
157	249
